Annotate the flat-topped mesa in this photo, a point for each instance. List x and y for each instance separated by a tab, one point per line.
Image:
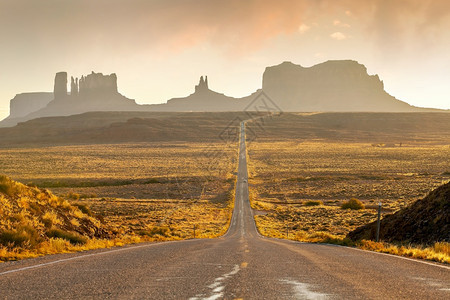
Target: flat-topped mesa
60	87
335	85
97	83
202	85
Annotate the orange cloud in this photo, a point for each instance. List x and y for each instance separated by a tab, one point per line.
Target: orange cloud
235	26
338	36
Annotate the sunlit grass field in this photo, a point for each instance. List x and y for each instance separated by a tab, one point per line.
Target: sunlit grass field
287	178
164	191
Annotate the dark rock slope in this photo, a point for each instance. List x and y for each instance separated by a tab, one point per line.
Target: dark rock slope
426	221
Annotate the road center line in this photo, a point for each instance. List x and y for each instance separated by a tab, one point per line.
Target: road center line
302	290
217	286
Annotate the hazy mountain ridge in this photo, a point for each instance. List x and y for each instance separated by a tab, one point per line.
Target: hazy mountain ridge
332	86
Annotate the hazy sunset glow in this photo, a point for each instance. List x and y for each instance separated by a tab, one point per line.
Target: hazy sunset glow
160	48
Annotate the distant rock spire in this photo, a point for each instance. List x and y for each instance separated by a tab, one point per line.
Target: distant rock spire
73	86
97	83
202	85
60	87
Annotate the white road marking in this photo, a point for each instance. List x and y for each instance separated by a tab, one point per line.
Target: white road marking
302	290
396	256
433	282
367	251
217	286
80	257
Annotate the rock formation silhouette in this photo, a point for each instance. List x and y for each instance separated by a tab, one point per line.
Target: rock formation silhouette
332	86
339	85
203	100
202	85
94	92
74	87
97	83
25	103
60	87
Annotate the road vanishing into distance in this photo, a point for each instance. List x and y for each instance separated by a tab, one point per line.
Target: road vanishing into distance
241	264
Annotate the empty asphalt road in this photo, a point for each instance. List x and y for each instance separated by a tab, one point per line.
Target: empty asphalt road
241	264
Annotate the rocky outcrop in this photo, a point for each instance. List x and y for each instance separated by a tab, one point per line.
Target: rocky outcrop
426	221
73	86
25	103
202	85
97	83
60	87
94	92
341	85
203	99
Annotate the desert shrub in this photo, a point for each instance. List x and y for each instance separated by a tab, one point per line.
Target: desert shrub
8	187
35	208
73	196
13	238
152	180
74	222
442	247
313	203
17	218
84	208
85	196
47	223
50	218
353	204
157	230
21	237
73	238
371	245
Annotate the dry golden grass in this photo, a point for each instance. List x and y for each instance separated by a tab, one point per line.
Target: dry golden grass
292	173
297	189
117	164
36	222
439	252
169	218
139	192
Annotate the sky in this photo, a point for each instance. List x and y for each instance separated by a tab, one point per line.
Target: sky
160	48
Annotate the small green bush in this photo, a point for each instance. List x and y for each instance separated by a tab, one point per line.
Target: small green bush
73	238
353	204
313	203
